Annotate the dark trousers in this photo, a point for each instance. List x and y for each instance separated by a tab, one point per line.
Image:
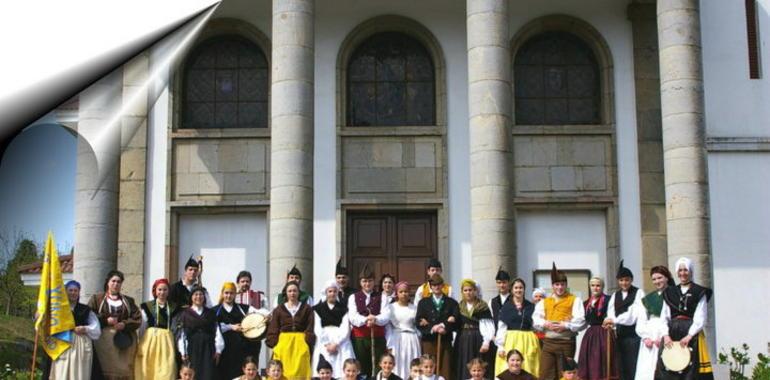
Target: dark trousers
550	356
627	352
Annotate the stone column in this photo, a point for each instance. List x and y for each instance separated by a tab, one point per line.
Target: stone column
489	98
291	146
684	148
96	199
652	191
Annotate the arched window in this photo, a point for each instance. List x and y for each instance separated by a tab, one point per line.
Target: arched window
225	85
556	79
391	82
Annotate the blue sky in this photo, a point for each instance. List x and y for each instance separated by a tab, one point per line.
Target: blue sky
37	185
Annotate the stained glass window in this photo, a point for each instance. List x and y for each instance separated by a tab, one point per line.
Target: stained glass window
226	85
391	82
556	79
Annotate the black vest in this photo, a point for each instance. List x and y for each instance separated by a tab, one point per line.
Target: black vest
81	314
621	306
495	304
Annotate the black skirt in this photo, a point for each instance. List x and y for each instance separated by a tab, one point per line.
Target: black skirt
467	345
200	350
678	329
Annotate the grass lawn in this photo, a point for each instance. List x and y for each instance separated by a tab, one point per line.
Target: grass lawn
16	342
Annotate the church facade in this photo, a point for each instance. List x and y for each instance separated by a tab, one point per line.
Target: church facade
484	133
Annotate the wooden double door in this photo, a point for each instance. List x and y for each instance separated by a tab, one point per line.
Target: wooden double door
398	243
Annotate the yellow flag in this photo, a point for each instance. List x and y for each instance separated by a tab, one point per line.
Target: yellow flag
54	319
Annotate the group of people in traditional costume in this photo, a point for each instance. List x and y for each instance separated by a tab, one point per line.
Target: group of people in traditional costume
383	331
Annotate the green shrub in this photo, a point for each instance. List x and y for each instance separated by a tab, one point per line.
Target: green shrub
739	358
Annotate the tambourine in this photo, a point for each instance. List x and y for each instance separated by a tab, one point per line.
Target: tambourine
676	358
253	326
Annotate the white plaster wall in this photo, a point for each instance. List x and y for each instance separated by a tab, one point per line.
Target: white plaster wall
155	195
736	106
740	221
610	20
228	243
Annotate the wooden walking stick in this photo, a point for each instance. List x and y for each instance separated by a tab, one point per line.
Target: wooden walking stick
609	333
371	335
438	352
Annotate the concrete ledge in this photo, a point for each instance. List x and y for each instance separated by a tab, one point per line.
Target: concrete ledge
738	144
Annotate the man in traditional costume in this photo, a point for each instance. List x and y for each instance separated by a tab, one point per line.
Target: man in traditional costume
179	294
257	302
433	266
649	326
343	282
368	317
561	316
75	363
294	275
437	318
622	316
685	310
503	283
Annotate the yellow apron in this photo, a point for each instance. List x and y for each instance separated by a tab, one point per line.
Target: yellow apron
529	346
294	353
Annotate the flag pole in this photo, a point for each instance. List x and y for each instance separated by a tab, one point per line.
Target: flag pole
34	355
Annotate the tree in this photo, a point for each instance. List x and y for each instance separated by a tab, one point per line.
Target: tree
15	251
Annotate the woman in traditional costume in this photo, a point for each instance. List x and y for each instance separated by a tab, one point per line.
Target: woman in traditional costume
119	318
514	371
649	326
515	331
201	342
593	348
401	334
685	311
332	330
290	333
387	289
237	347
156	355
476	329
75	363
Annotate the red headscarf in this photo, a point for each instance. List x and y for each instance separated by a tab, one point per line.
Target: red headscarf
158	282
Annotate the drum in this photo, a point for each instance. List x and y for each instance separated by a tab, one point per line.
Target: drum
676	358
254	326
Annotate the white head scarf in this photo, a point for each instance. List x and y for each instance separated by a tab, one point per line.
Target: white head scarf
687	264
327	285
537	291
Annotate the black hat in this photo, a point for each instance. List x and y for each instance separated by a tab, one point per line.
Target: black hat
366	272
557	275
191	262
122	340
323	364
433	263
623	271
242	274
568	364
502	275
340	270
294	271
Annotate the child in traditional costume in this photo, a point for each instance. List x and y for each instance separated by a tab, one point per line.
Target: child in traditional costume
156	356
76	362
332	330
290	334
561	315
437	318
368	317
352	370
514	360
477	369
622	316
569	369
401	335
387	363
415	369
428	368
186	372
515	331
685	311
249	369
201	342
649	326
119	318
594	347
476	330
275	370
324	369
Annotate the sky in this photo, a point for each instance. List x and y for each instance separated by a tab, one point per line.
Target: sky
37	185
